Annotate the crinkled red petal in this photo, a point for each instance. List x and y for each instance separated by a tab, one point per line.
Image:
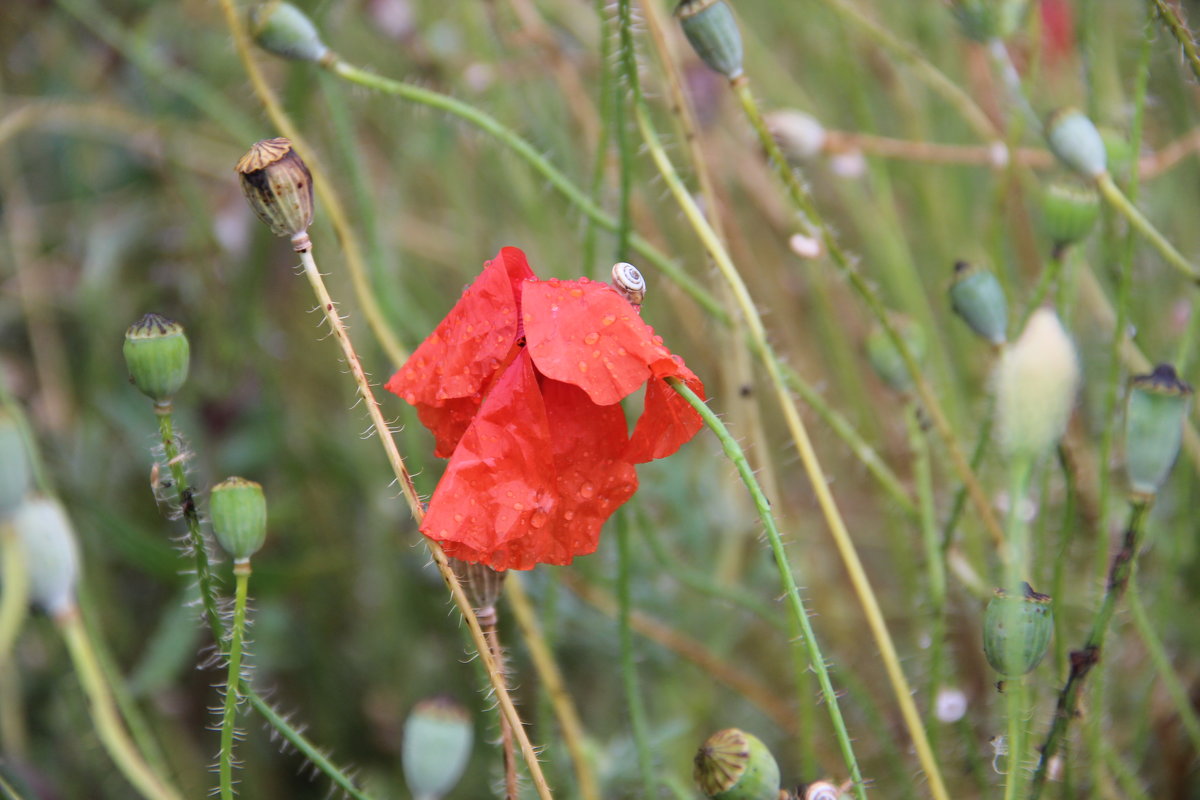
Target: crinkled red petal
499	489
585	334
464	352
667	420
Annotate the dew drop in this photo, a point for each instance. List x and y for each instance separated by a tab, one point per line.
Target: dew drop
518	506
538	519
621	351
587	490
608	319
591	338
458	517
568	515
583	366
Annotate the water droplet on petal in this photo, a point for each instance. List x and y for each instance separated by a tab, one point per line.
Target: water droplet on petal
458	517
587	490
583	366
607	320
518	506
538	519
591	338
568	515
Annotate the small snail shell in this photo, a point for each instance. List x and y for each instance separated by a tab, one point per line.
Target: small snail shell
822	790
629	282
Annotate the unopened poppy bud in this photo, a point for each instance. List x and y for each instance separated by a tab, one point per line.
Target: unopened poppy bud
437	744
238	510
279	188
1017	630
735	765
628	281
1069	212
1075	141
286	31
800	136
1154	419
157	356
713	32
1035	385
482	585
977	296
885	357
51	555
14	466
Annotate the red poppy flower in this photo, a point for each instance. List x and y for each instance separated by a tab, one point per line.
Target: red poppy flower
521	386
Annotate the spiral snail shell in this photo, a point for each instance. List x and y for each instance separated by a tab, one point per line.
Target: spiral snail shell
629	282
822	790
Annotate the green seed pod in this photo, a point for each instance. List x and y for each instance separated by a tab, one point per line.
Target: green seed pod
437	744
713	32
157	356
238	509
1069	212
51	555
279	188
15	478
977	296
1075	141
735	765
1016	630
1035	384
1118	149
885	358
286	31
1154	419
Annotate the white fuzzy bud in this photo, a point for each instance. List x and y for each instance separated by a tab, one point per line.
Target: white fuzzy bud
800	136
1035	384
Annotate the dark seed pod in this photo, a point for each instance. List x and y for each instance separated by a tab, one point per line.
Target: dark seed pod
1154	419
279	188
977	296
735	765
1073	138
1017	630
238	510
713	32
157	355
286	31
438	736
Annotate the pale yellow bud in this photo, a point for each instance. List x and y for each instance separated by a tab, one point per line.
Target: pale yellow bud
1035	384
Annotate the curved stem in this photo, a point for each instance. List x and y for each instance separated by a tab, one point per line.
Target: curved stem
104	712
233	683
14	590
1112	193
1184	38
629	679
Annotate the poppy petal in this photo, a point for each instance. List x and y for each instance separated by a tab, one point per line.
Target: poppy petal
498	491
467	348
585	334
667	420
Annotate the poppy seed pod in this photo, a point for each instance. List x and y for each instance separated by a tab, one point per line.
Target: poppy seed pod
437	744
977	296
51	555
286	31
800	136
1017	630
1154	419
1069	212
279	188
713	32
157	355
1035	384
885	357
1075	141
482	585
15	478
735	765
238	509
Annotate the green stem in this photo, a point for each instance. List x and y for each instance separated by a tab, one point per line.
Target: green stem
1180	699
104	712
233	683
935	558
1172	22
1016	569
1082	661
633	698
627	56
14	590
795	604
1112	193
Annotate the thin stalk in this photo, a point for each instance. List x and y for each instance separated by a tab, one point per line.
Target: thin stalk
808	457
629	679
552	681
492	631
233	683
804	203
1082	661
322	184
14	590
1180	700
1016	692
628	59
383	435
795	604
1177	28
1113	195
104	712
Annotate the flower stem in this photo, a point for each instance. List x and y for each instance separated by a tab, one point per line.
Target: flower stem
799	614
633	697
14	590
1184	37
1181	703
233	683
1082	661
1016	693
383	435
1117	199
104	711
